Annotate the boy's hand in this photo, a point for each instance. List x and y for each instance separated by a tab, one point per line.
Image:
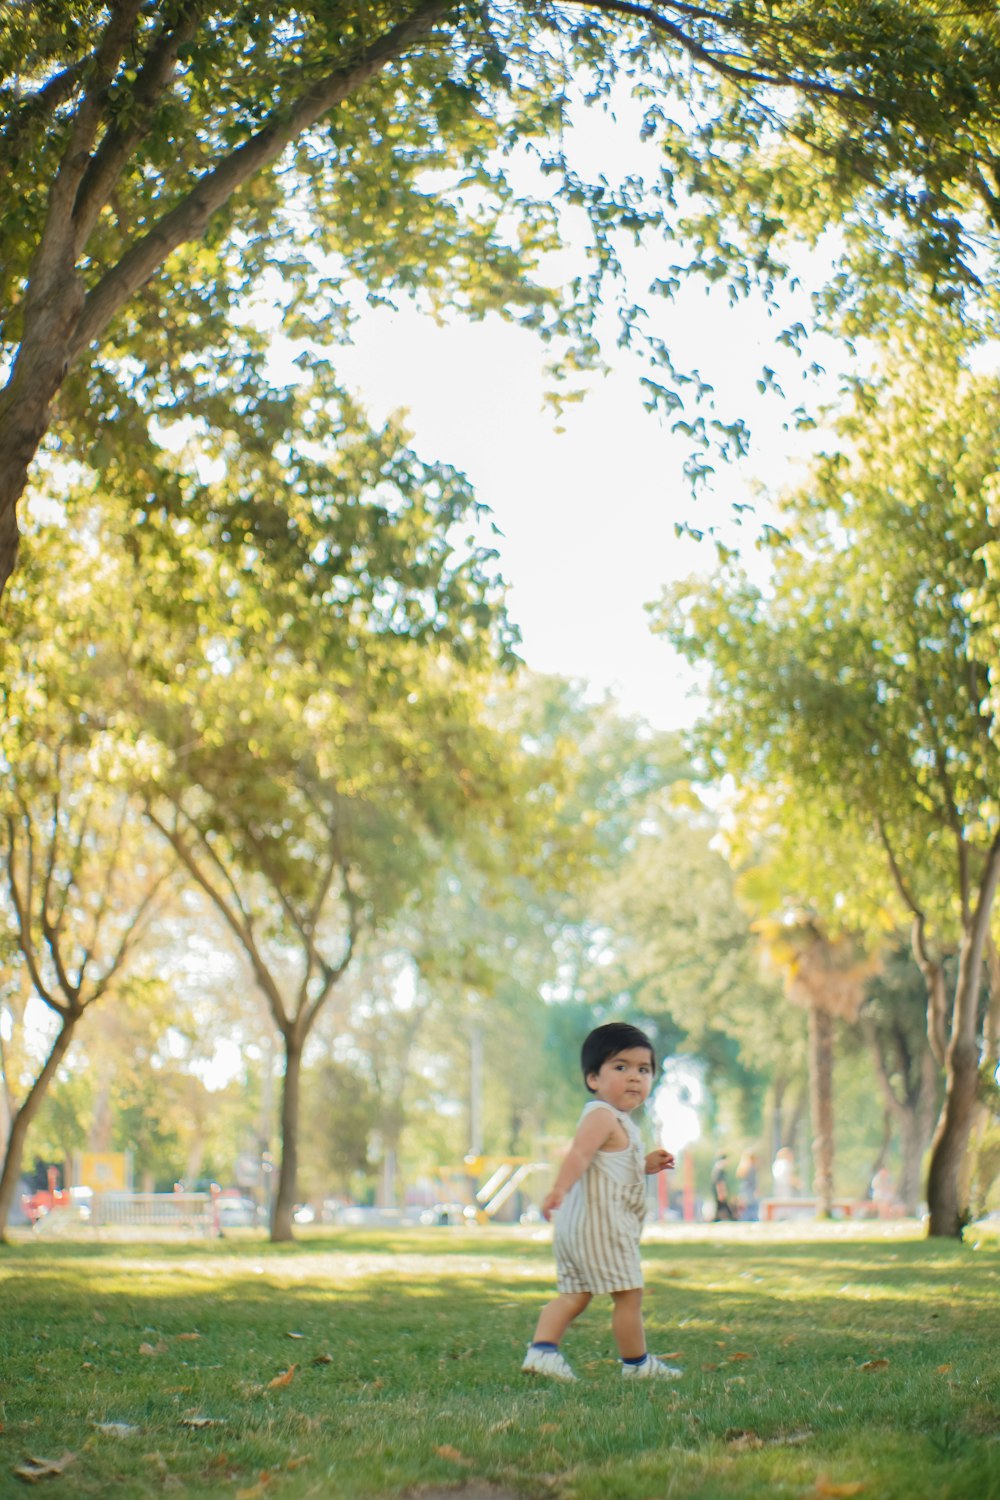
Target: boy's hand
550	1203
659	1161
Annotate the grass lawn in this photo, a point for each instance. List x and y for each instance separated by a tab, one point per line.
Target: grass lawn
827	1362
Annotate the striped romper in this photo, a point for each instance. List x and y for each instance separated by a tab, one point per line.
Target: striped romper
600	1219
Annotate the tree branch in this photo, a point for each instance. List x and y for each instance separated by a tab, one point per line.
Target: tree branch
188	219
718	64
116	148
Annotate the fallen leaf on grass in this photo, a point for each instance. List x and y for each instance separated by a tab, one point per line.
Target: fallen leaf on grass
152	1348
323	1359
188	1336
675	1355
739	1355
874	1364
285	1378
943	1369
451	1454
294	1335
200	1422
836	1491
255	1490
296	1463
34	1469
742	1442
709	1367
116	1429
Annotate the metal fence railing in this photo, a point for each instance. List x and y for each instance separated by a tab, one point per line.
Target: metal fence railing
190	1211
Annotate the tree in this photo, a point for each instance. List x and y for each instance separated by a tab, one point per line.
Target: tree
851	692
826	977
156	158
894	1022
80	887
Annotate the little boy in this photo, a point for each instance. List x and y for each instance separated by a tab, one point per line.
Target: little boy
601	1196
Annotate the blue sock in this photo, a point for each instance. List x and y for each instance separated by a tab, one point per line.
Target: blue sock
546	1348
639	1360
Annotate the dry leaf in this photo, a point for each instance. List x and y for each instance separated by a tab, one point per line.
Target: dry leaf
189	1336
202	1421
451	1454
152	1348
675	1355
294	1335
296	1463
34	1469
943	1369
285	1378
836	1491
739	1355
116	1429
709	1367
742	1442
323	1359
255	1490
874	1364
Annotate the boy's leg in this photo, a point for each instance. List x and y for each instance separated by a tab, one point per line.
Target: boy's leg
626	1323
630	1336
543	1357
557	1315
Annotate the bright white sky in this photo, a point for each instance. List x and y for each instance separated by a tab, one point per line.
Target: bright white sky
587	515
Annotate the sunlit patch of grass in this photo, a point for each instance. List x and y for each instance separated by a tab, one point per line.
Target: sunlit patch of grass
843	1360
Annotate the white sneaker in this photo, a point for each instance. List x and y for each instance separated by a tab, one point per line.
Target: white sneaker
547	1362
652	1369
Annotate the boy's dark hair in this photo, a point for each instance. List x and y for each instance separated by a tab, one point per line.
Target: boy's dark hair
607	1041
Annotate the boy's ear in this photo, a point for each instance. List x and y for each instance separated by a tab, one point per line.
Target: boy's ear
591	1079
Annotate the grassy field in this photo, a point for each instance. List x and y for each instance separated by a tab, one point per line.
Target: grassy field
357	1364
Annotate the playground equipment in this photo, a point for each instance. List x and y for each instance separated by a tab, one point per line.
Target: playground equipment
507	1175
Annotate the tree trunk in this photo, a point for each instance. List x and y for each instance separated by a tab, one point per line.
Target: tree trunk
51	313
282	1220
944	1198
10	1175
821	1091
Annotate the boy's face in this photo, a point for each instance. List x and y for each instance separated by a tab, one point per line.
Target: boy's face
624	1079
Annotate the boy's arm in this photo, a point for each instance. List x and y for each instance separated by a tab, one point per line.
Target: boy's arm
594	1130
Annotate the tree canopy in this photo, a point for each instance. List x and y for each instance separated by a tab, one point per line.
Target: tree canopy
157	161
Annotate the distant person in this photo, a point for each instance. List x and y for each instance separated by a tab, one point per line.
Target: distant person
784	1175
883	1193
720	1189
600	1195
747	1193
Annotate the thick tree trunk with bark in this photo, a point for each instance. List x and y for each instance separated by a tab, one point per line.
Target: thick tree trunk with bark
282	1216
821	1090
958	1113
10	1175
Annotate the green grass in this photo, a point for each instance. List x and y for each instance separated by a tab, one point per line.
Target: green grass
426	1331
